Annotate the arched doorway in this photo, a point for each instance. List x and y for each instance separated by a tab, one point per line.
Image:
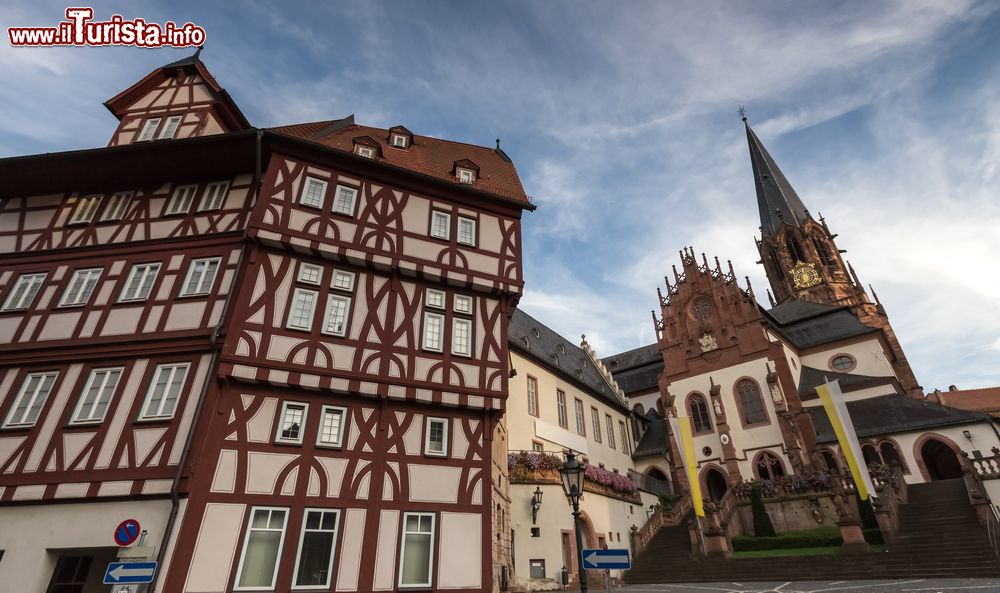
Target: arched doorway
715	484
940	461
832	465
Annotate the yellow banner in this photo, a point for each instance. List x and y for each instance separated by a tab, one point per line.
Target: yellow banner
683	436
840	419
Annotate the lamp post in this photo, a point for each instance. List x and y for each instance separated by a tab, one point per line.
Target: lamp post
536	503
572	479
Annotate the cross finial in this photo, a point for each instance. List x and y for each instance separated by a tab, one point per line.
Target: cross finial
743	113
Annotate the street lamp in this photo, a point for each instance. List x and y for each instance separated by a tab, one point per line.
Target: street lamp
572	478
536	503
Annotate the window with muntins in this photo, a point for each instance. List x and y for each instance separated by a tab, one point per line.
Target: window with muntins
24	291
30	400
699	414
366	151
314	563
433	331
214	195
313	192
302	308
461	337
262	545
466	175
80	287
170	128
292	423
595	421
561	408
532	396
466	231
164	391
609	425
751	402
148	129
310	273
343	203
581	421
96	395
140	282
440	225
624	436
200	276
436	439
331	426
180	201
86	208
117	206
416	550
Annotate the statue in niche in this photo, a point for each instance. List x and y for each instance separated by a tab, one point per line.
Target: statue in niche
776	394
717	406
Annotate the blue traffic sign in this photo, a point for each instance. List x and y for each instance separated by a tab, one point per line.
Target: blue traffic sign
129	572
607	559
127	532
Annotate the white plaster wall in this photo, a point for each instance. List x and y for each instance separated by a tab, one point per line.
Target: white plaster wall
869	354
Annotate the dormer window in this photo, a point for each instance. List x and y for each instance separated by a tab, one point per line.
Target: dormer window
466	175
366	151
399	141
400	137
466	171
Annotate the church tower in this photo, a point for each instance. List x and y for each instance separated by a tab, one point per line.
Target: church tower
801	258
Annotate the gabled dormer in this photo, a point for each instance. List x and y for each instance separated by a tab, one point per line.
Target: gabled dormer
400	137
465	171
179	100
367	147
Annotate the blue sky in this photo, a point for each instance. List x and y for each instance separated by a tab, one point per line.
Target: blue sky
621	118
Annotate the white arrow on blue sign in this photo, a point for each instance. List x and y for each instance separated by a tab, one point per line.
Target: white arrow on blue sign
129	572
607	559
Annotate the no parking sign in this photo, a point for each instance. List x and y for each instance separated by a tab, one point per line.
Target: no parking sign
127	532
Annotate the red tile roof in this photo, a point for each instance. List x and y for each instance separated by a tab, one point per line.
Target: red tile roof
986	399
427	155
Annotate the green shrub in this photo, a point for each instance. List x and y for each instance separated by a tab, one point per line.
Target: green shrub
762	526
821	537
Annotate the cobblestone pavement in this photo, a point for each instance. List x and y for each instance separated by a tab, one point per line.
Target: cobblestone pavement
894	586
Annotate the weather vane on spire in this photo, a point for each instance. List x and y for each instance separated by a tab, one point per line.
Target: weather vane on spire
742	111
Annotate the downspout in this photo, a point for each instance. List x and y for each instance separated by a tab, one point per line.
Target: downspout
214	348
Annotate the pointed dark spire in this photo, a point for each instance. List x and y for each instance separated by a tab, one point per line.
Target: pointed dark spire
776	199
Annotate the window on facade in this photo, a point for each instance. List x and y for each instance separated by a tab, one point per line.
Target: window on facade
463	304
313	192
461	337
117	206
624	437
537	447
768	466
24	291
699	414
399	140
751	402
532	396
262	548
842	363
80	287
86	208
465	175
435	298
96	395
561	408
337	309
343	280
302	308
440	225
794	250
331	426
315	560
343	203
200	276
433	332
610	427
149	129
870	454
595	421
891	456
581	419
170	128
466	231
180	201
164	391
436	438
366	151
824	252
215	193
416	551
140	282
292	423
30	400
310	273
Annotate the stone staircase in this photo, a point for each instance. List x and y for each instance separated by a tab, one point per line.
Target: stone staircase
939	536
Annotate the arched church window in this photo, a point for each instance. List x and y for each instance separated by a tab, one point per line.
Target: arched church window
824	253
891	456
699	413
831	462
768	466
751	403
870	453
701	308
794	250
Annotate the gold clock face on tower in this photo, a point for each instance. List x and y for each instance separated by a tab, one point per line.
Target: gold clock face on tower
804	275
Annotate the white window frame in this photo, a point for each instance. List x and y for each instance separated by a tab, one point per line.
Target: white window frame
580	413
445	436
436	298
364	150
306	270
337	275
430	556
400	140
296	294
200	289
440	318
170	128
463	304
23	392
86	289
103	390
347	314
183	196
532	396
610	424
350	208
145	271
86	208
309	182
471	223
435	214
456	323
173	367
340	432
246	541
333	549
281	421
217	190
149	129
465	175
34	282
117	206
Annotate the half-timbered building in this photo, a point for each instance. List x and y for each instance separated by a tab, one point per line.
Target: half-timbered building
283	351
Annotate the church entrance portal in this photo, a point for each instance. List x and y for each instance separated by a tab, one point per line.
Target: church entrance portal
716	484
940	461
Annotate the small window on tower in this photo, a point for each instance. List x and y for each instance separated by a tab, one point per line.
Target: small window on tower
148	130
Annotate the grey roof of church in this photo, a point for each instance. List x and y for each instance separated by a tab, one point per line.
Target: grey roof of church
806	324
890	414
654	439
776	199
559	355
810	378
636	370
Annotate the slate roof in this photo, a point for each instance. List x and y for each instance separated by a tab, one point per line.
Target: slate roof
431	156
776	199
559	355
890	414
806	324
653	441
810	378
636	370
